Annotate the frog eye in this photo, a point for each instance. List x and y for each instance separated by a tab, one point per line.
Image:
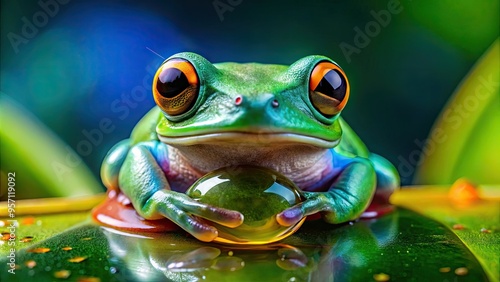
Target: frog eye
328	89
176	86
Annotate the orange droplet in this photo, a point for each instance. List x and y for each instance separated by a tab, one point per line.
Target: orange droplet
26	239
463	191
68	248
77	259
5	236
458	227
484	230
381	277
62	274
461	271
39	250
30	263
28	220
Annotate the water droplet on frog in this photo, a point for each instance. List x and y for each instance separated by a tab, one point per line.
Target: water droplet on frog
258	193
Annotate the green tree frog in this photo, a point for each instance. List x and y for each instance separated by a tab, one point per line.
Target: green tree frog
209	116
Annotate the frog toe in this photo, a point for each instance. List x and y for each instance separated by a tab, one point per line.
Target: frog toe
221	216
197	227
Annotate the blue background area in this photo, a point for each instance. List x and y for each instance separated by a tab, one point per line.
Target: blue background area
91	60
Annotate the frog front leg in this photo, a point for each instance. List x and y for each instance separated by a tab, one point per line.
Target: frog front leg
142	178
346	199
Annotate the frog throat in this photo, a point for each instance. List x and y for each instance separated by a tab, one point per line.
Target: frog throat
303	164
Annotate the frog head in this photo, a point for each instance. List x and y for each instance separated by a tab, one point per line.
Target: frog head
242	110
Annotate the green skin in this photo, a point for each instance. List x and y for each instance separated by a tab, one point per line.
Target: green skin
165	155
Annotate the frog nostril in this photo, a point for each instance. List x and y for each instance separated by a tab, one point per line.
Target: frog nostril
275	103
238	100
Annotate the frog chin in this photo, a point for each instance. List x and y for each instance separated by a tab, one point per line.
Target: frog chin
291	154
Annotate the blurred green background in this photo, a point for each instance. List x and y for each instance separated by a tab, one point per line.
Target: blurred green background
77	64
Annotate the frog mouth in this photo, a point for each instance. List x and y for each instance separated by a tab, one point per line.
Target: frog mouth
248	138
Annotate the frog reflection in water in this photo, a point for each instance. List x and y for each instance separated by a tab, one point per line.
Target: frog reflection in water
209	116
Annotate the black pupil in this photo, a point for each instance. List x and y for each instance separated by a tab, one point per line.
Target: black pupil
171	82
333	84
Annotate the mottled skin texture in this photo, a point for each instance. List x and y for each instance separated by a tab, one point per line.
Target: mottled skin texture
322	155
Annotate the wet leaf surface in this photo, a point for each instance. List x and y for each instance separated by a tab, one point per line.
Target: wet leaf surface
400	246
